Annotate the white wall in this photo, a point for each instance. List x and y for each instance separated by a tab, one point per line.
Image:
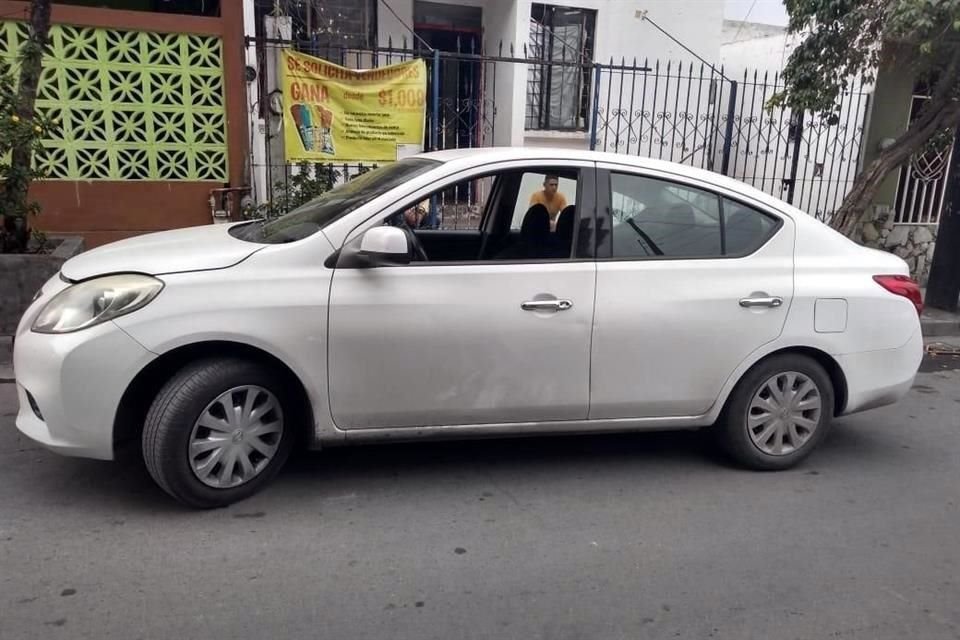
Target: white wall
389	27
500	23
267	164
503	22
748	46
621	33
771	12
256	125
557	139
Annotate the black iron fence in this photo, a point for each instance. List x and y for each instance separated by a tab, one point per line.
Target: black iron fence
670	112
807	159
698	115
690	113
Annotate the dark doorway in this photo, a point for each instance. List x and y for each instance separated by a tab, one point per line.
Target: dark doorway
458	30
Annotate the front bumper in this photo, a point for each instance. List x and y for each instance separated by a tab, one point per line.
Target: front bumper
878	378
77	380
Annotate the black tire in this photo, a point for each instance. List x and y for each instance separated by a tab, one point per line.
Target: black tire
177	407
732	430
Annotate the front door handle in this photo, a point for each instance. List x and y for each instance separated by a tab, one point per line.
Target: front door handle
546	305
761	301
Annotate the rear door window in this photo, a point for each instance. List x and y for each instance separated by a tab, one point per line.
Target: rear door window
653	218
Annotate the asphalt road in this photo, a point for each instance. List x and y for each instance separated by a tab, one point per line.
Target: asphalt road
635	536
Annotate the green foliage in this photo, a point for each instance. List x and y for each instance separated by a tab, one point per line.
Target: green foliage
845	38
16	131
40	240
304	184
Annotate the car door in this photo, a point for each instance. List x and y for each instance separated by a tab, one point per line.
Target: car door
690	281
465	342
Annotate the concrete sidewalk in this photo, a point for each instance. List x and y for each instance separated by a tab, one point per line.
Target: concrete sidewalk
935	322
6	359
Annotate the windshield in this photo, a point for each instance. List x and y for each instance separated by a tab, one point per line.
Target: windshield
309	218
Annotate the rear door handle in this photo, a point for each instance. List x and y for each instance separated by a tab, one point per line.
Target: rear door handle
546	305
761	301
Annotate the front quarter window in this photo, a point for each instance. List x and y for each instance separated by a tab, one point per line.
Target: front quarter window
309	218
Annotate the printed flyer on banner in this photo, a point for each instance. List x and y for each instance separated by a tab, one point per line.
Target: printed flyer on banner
332	113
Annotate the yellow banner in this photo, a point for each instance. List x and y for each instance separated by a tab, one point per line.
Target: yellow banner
331	113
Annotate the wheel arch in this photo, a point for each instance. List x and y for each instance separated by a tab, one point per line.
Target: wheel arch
140	393
837	377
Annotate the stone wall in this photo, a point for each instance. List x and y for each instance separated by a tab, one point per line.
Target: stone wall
24	274
914	243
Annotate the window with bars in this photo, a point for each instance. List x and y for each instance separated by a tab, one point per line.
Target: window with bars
186	7
922	183
327	26
327	29
558	87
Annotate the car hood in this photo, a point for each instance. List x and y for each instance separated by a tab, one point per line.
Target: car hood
192	249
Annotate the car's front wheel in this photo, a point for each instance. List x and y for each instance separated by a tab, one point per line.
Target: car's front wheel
217	432
778	413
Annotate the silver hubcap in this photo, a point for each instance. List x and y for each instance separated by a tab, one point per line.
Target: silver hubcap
236	437
784	413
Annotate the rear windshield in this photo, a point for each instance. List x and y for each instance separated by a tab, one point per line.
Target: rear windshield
309	218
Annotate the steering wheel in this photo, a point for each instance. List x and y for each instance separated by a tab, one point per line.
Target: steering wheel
418	252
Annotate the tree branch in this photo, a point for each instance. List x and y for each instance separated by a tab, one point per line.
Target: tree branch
16	231
941	116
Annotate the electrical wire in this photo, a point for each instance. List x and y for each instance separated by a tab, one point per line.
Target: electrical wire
646	18
744	21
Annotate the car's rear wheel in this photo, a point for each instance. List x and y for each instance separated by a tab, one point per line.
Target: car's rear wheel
217	432
778	413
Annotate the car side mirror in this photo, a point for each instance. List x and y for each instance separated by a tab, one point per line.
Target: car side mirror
379	246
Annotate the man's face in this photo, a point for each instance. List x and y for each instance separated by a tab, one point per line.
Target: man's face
550	186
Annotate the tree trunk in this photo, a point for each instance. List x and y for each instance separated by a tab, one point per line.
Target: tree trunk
943	288
939	114
31	63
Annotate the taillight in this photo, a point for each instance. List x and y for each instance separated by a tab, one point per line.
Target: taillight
902	286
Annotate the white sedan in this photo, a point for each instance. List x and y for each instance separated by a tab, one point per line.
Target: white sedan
659	297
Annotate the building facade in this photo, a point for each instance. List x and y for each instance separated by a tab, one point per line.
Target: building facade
150	104
511	72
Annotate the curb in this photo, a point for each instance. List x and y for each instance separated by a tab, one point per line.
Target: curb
943	326
939	329
6	359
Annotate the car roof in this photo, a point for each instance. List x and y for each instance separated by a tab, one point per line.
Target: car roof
497	154
470	157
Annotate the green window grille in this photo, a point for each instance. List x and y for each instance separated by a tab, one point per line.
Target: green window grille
131	105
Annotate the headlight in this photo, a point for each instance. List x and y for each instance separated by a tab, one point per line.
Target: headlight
94	301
